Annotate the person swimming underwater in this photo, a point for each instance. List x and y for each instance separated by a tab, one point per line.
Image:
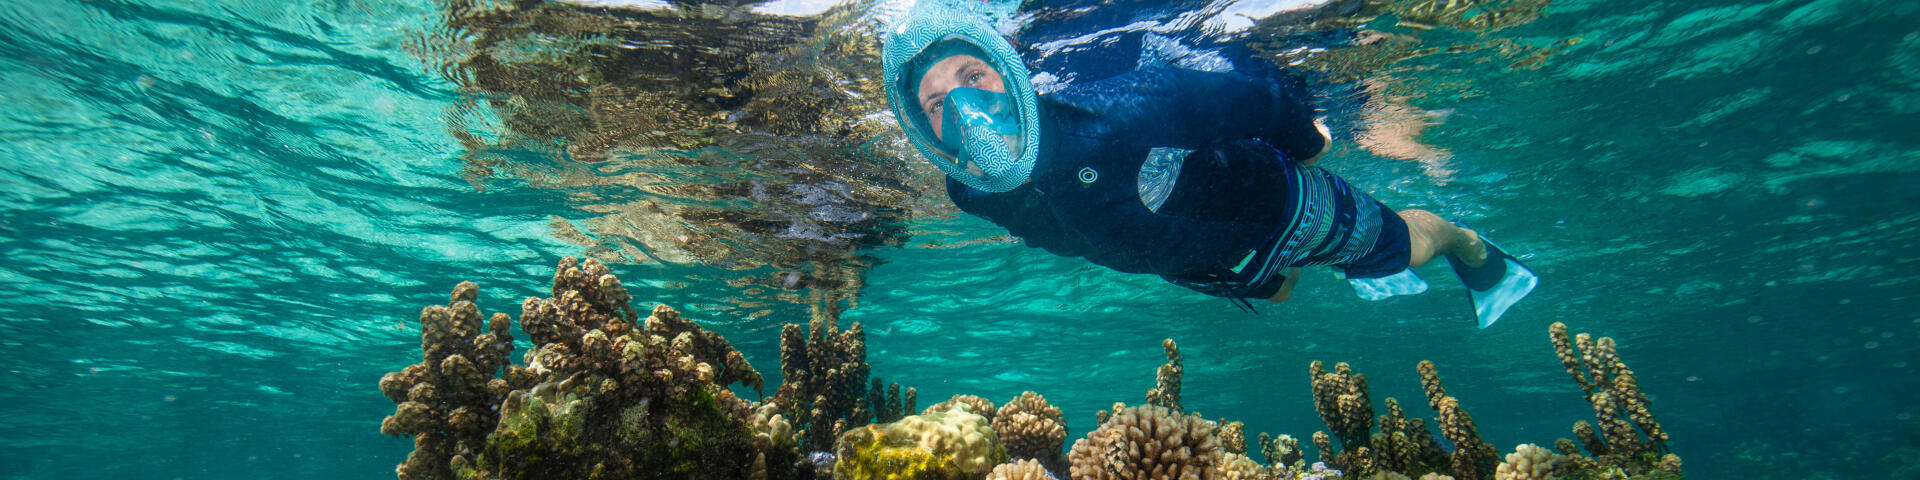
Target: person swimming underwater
1206	179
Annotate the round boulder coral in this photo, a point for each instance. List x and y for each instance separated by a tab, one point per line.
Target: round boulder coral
953	444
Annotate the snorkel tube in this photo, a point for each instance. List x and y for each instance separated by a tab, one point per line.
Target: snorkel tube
991	138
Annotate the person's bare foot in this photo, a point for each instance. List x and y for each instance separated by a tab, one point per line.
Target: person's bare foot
1474	252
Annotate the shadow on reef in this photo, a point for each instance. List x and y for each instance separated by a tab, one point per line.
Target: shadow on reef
606	394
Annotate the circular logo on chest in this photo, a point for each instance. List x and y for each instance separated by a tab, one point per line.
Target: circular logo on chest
1087	175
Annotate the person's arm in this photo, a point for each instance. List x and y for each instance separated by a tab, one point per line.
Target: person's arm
1286	286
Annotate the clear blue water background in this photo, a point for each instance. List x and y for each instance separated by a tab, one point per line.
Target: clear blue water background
219	220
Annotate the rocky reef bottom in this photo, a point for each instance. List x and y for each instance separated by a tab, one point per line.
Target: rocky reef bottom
606	394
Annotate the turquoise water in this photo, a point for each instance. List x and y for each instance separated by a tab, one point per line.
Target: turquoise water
221	219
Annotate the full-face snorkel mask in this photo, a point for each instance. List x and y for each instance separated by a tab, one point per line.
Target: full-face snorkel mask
987	139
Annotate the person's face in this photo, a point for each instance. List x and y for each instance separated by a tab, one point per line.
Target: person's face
950	73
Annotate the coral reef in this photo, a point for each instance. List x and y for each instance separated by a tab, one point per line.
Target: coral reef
971	403
1020	470
604	393
1166	391
1471	458
1282	454
1341	398
1628	440
1618	405
446	402
601	395
1031	428
825	393
950	444
1527	462
1146	441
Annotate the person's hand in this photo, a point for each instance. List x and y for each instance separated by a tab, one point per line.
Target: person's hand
1321	125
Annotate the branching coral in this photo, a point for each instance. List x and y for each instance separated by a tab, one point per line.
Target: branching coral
603	395
1341	398
825	393
446	402
1166	392
890	404
1618	404
1627	436
1147	441
1282	454
1471	459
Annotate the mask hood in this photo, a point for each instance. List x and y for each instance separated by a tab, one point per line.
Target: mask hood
995	154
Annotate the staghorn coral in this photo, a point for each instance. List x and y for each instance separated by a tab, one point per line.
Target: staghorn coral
951	444
1031	428
1471	458
971	403
1020	470
825	392
1341	399
1527	462
1166	391
1146	441
446	402
1614	391
607	396
890	404
1625	435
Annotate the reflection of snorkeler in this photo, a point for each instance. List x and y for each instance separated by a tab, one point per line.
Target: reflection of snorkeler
1206	179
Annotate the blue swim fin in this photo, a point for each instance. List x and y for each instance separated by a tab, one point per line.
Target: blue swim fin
1496	285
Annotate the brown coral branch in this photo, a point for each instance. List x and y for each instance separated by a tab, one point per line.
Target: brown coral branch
1166	392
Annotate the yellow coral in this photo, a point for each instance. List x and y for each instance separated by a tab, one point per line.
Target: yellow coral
953	444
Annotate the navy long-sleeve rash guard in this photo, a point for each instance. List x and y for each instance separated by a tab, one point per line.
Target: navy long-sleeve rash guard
1084	198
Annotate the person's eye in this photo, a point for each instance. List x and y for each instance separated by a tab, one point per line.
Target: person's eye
974	79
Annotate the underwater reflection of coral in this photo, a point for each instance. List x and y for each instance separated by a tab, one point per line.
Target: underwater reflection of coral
691	132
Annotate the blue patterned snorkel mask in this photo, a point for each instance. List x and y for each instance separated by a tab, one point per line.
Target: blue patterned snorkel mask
989	137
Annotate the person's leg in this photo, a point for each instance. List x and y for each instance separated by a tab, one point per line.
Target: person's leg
1432	236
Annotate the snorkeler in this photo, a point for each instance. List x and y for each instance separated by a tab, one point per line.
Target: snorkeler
1206	179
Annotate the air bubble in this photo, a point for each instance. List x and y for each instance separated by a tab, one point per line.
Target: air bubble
1814	50
1871	345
